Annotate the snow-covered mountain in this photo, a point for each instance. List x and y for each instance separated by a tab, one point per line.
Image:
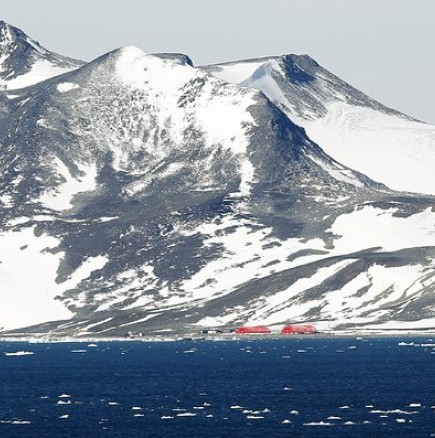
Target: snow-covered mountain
351	127
23	61
140	193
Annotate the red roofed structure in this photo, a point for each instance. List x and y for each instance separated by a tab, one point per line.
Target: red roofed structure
259	329
298	329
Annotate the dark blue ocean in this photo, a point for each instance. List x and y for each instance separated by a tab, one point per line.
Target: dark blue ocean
260	388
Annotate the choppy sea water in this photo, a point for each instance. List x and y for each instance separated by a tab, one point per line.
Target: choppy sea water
293	387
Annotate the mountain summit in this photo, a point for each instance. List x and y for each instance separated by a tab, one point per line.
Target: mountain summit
353	128
23	61
142	194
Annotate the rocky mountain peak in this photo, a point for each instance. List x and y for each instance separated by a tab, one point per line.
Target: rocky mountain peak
23	61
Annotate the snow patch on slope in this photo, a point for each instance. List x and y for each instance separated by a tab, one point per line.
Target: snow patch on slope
248	252
220	114
63	87
368	228
338	171
137	287
235	73
62	196
28	272
278	303
40	71
395	151
372	227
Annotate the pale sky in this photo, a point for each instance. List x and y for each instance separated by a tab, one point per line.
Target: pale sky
383	47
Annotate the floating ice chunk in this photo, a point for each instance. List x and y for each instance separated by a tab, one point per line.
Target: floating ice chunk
19	353
254	417
16	421
286	422
186	414
318	423
64	417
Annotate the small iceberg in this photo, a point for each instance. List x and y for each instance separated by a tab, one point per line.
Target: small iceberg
19	353
318	423
16	421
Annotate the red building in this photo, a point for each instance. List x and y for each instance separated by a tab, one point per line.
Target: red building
259	329
298	329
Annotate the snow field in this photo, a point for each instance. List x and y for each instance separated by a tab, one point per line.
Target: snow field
28	272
